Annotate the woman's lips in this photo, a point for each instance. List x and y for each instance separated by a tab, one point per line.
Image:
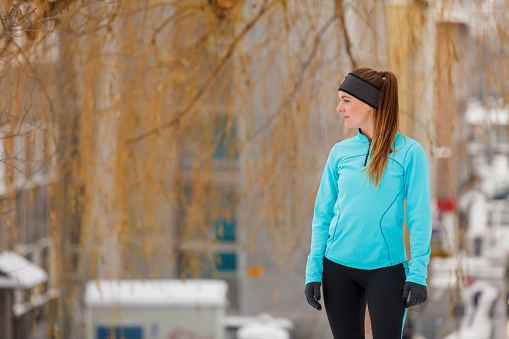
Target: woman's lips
345	117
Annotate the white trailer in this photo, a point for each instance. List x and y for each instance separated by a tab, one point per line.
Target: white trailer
155	309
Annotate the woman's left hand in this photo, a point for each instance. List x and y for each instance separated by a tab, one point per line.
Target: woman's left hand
418	294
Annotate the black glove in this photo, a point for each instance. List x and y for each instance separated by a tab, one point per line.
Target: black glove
418	294
312	292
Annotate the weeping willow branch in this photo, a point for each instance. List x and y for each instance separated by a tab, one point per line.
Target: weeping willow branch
207	83
317	41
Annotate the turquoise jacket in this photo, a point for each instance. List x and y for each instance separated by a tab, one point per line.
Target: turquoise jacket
359	226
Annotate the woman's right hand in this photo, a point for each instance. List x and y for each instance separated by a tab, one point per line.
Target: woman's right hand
312	292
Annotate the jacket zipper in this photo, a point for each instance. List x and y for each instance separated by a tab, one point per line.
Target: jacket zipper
366	160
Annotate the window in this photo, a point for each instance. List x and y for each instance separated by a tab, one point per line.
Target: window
32	214
225	229
210	252
124	332
225	138
41	206
225	261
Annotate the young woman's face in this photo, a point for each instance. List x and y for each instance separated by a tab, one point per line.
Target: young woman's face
356	113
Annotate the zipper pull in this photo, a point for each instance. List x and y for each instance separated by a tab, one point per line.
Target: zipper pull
366	160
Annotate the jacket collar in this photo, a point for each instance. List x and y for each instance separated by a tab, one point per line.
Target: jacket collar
362	137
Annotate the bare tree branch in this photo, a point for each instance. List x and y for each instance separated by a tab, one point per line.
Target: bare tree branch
50	31
58	15
18	170
348	44
169	20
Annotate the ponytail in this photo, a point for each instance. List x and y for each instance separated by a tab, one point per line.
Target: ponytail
386	121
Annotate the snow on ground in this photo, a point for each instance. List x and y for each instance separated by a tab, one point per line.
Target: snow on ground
476	323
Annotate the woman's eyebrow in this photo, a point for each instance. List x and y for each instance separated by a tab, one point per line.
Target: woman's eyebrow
344	96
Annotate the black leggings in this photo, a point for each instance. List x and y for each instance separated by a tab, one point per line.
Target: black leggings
346	291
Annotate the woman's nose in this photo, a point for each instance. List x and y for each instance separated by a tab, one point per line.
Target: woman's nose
339	109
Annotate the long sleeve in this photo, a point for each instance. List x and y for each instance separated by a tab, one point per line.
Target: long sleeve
323	214
418	213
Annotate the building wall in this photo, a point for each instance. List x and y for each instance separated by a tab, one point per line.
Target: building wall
26	185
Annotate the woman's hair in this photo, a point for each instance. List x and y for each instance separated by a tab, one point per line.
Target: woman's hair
386	120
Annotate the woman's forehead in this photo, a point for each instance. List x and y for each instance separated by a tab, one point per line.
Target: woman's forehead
343	94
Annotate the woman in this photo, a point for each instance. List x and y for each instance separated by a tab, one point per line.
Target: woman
357	250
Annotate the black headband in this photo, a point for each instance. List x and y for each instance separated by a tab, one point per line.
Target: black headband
361	89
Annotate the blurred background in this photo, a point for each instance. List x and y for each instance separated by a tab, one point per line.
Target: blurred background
159	160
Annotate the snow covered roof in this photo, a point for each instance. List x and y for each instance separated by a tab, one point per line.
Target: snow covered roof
171	292
477	114
481	17
444	269
451	12
18	272
262	326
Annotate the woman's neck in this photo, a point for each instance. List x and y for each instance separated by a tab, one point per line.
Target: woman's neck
367	133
